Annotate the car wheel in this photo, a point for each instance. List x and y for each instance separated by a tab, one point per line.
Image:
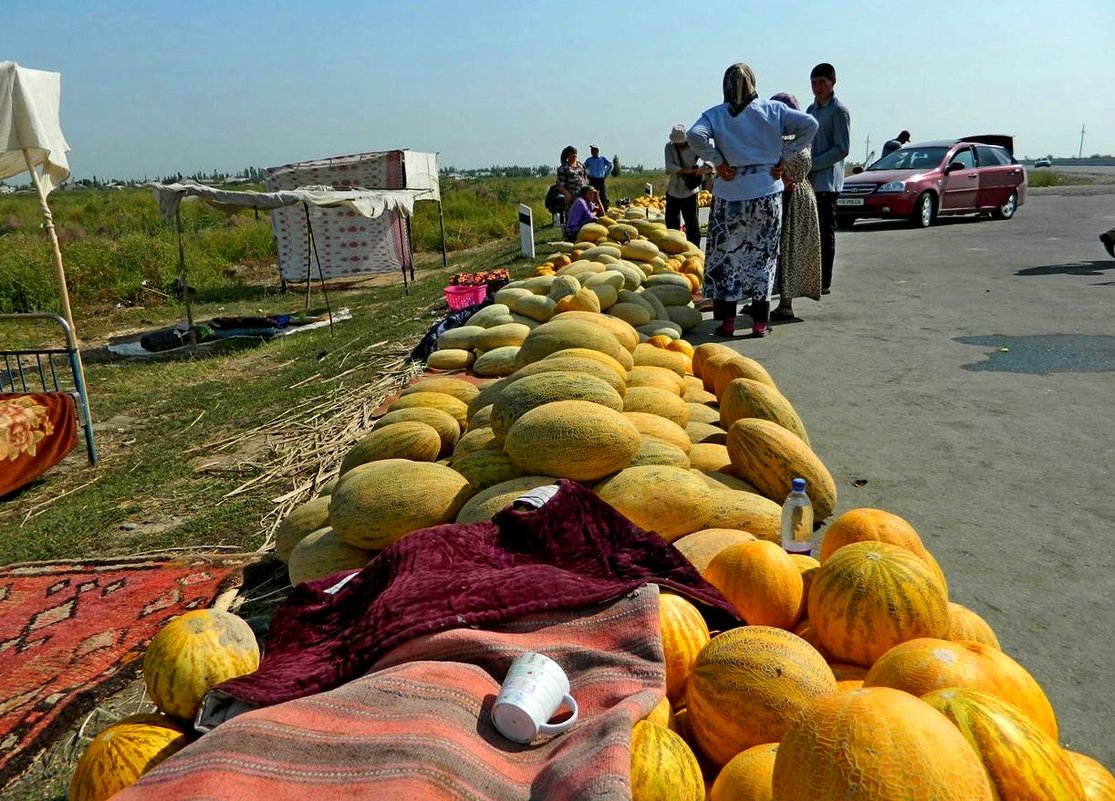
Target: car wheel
845	221
1007	210
925	211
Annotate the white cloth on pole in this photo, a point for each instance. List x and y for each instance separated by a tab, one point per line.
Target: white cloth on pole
369	203
29	118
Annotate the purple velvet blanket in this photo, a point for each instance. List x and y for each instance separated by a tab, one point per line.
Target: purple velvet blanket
575	551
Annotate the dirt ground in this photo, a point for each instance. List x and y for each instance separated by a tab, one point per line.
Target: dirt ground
964	373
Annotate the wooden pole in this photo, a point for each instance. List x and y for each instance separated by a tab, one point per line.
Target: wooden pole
182	280
59	270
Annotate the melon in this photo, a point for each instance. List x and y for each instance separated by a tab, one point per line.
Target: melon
701	354
746	511
653	425
461	390
416	441
769	457
581	364
586	353
377	503
760	580
748	684
1023	762
700	413
709	456
651	400
702	546
120	754
1097	781
657	377
484	504
662	715
748	776
323	553
724	478
460	338
745	397
925	664
876	744
475	439
624	333
450	359
485	467
663	768
706	433
650	356
496	363
534	391
684	634
301	521
871	596
566	332
193	653
501	336
668	500
655	451
455	408
964	624
572	439
739	367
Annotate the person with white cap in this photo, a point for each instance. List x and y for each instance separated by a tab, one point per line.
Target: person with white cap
683	185
598	169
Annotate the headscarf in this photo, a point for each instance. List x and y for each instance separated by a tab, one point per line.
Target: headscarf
788	99
739	88
677	134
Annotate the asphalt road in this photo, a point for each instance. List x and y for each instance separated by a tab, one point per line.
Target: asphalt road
964	377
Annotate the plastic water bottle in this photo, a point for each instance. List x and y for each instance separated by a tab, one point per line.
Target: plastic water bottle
797	520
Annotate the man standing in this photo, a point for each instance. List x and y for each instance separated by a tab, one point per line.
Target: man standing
892	145
830	147
598	168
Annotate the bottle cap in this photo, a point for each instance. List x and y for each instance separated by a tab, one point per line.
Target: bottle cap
798	485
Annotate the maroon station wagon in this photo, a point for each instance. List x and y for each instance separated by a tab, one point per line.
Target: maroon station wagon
973	175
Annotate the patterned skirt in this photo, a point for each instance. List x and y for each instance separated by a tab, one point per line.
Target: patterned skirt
742	250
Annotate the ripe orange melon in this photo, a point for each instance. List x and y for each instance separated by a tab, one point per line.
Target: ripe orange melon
876	744
702	352
663	768
866	524
194	652
761	582
1022	761
684	634
1098	782
748	684
701	546
871	596
122	753
964	624
746	397
740	366
748	776
709	456
923	665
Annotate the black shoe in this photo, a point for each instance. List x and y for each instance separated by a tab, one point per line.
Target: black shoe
826	290
1108	244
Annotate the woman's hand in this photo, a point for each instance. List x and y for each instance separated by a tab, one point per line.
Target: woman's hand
725	172
777	170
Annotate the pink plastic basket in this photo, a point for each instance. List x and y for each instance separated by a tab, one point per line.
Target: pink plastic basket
461	297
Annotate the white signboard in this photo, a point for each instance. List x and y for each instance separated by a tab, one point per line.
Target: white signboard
526	231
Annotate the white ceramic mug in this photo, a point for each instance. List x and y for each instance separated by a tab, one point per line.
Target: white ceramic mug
533	690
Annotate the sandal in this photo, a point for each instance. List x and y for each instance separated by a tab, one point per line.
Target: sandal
722	331
782	315
760	331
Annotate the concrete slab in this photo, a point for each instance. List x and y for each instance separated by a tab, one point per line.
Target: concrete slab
1002	459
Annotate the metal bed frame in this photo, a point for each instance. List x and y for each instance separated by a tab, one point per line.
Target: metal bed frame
21	365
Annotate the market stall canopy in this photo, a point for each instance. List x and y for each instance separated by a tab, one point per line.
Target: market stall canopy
29	121
369	203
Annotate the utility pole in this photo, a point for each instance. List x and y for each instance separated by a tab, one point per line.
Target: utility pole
1080	153
866	149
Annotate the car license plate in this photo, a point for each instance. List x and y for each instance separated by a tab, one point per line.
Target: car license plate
849	201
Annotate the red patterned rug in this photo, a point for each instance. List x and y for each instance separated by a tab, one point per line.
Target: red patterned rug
74	632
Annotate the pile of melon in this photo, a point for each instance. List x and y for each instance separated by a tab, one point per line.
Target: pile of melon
637	272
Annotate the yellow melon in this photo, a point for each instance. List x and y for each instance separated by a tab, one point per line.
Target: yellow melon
572	439
768	456
323	553
701	546
684	634
748	776
302	521
454	407
964	624
120	754
461	390
413	440
761	582
662	766
486	503
652	400
668	500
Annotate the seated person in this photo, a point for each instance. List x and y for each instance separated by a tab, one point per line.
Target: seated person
585	209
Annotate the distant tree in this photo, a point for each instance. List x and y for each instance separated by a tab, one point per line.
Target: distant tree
615	165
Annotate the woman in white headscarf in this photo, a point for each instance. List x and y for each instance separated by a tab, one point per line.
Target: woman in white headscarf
748	140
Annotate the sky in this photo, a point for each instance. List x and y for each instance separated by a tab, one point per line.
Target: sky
151	88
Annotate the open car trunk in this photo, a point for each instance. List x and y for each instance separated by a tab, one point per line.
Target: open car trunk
1002	140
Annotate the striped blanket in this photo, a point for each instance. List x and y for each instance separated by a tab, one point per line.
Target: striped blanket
418	726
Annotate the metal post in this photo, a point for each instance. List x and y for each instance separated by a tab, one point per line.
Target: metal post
182	279
320	273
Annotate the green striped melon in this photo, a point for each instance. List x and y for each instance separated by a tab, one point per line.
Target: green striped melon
496	363
323	553
451	359
455	408
193	653
653	425
663	767
700	433
669	500
418	442
564	286
485	468
122	753
651	400
533	391
745	397
748	685
563	333
484	504
769	457
573	439
463	391
655	451
441	421
539	284
302	521
745	511
377	503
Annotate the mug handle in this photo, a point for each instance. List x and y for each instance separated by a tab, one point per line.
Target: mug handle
558	728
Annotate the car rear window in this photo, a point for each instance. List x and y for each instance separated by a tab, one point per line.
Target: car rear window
992	157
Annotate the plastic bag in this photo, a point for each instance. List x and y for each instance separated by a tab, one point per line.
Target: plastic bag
428	343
